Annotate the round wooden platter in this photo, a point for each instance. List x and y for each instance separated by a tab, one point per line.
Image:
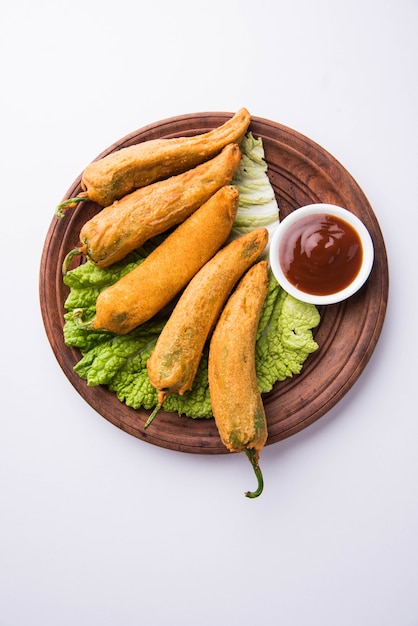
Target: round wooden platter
301	172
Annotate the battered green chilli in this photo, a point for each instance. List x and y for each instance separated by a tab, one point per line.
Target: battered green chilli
133	167
236	400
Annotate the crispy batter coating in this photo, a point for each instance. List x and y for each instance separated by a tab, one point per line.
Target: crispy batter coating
128	223
236	401
144	291
174	362
118	174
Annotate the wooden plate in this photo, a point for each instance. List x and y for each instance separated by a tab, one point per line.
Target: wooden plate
301	172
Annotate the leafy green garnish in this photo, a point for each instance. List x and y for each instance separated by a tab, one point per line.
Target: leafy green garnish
284	338
257	203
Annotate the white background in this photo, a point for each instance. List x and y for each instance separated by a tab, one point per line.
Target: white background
99	528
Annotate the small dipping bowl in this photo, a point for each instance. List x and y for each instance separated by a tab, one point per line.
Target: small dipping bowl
321	254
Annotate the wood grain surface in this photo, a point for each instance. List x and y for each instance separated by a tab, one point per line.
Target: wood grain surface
301	172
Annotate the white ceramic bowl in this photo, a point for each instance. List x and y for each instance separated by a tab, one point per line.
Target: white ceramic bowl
334	211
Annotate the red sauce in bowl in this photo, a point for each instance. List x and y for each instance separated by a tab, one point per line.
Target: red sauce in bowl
321	254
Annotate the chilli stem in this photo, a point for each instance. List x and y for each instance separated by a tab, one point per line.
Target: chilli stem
69	257
153	414
69	204
253	457
162	397
78	319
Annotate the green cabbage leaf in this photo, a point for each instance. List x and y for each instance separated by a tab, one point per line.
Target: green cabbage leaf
258	206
